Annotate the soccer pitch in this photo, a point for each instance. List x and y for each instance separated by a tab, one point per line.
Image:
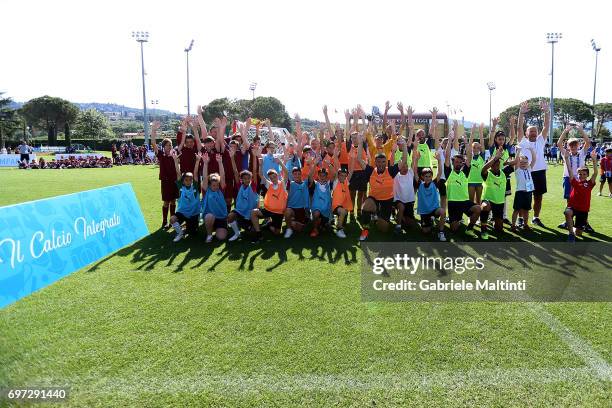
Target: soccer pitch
281	323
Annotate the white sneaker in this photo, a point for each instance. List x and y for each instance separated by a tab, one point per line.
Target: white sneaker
209	238
340	233
442	237
178	237
288	233
599	194
234	237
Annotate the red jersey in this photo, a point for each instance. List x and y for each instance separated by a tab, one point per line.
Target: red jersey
605	166
187	159
167	170
580	197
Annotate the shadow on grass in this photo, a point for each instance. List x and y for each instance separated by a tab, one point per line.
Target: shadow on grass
158	249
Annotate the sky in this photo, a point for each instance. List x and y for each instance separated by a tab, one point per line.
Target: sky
307	54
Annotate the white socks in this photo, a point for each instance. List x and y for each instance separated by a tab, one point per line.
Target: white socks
177	228
235	228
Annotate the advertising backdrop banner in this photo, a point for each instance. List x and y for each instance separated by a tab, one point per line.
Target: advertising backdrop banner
44	240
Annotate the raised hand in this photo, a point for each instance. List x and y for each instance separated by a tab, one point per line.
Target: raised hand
347	114
524	107
296	117
594	155
499	152
400	107
387	106
267	122
155	125
198	157
218	158
200	110
325	110
206	158
544	105
434	112
568	128
494	123
512	119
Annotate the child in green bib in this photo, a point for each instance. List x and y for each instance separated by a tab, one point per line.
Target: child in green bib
475	179
494	194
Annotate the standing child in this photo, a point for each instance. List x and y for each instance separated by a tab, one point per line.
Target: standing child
167	174
214	209
429	203
494	195
576	156
342	204
579	202
189	199
478	160
321	196
275	202
606	171
247	200
524	188
403	190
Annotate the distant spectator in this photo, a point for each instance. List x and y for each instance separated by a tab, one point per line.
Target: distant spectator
24	151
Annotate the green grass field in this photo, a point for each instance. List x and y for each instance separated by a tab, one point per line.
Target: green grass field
282	324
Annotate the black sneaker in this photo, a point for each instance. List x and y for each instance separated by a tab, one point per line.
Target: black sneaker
563	225
536	221
507	221
589	229
520	222
256	237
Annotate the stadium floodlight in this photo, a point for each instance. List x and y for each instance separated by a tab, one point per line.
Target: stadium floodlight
187	50
552	39
143	37
252	87
596	49
491	86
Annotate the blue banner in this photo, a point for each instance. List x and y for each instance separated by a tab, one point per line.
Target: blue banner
44	240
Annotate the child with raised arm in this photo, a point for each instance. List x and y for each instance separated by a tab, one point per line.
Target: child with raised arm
606	171
247	200
579	202
298	201
321	196
167	174
475	177
494	192
189	199
497	139
457	171
428	199
577	157
342	204
214	208
403	188
524	187
275	201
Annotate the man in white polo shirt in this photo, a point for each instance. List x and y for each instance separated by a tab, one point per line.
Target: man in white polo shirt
537	141
24	151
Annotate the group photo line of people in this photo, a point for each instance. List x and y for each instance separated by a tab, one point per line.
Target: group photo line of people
379	177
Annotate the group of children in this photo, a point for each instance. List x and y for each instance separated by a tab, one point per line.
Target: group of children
68	163
129	153
318	182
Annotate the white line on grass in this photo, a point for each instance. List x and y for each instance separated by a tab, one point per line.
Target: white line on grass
229	384
582	348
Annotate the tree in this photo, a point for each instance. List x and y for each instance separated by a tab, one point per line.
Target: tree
270	107
7	119
603	113
50	113
261	107
572	110
566	110
92	125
